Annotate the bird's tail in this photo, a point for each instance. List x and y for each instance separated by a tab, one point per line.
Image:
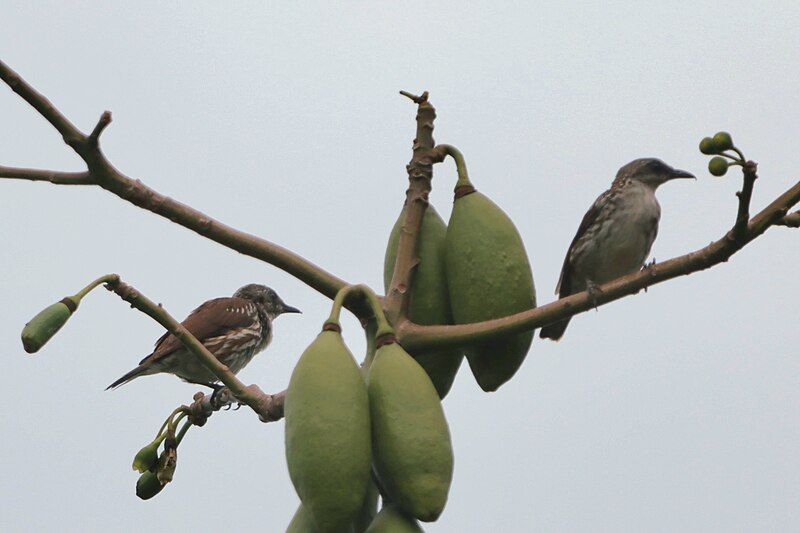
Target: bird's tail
554	331
135	373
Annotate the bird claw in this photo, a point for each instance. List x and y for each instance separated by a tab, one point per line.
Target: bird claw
238	406
594	292
645	266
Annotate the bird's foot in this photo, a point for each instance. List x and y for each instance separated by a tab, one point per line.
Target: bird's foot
594	292
221	396
645	266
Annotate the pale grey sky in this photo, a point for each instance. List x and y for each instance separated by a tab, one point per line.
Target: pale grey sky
675	410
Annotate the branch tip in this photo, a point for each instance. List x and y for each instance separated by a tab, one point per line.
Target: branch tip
414	98
102	123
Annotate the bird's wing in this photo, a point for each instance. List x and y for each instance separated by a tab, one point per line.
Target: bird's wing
564	286
212	319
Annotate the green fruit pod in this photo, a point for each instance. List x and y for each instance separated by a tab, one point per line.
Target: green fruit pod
301	521
488	276
430	302
369	509
412	453
148	486
44	325
392	520
328	432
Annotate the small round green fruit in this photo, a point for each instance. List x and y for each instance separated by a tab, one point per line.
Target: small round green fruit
707	146
723	141
718	166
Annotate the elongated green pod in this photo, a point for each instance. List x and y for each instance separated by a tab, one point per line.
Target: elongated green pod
303	523
412	453
430	303
489	276
392	520
46	323
368	509
328	433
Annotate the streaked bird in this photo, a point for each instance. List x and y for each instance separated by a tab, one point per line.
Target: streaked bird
616	234
234	329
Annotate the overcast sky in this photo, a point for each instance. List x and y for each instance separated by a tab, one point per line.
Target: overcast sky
674	410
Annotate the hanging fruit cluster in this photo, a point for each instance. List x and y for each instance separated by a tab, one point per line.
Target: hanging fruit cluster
345	434
352	433
720	146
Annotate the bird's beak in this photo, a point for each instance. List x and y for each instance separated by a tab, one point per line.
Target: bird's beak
678	173
289	309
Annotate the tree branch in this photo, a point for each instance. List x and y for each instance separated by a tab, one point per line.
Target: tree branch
53	176
420	172
749	169
266	406
414	336
204	405
102	172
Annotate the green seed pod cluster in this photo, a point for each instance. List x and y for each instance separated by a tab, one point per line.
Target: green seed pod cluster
488	276
328	432
412	453
44	325
392	520
430	302
717	144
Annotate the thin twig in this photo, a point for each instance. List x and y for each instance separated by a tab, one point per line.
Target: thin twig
53	176
739	230
105	120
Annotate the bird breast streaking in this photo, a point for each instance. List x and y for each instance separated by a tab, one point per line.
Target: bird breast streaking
616	234
234	329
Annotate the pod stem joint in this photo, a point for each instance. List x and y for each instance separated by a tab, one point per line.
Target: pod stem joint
332	323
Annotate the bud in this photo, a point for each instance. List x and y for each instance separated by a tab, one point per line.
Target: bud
723	141
43	326
147	458
148	486
166	465
718	166
708	146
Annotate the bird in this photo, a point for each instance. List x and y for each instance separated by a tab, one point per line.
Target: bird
234	329
616	234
